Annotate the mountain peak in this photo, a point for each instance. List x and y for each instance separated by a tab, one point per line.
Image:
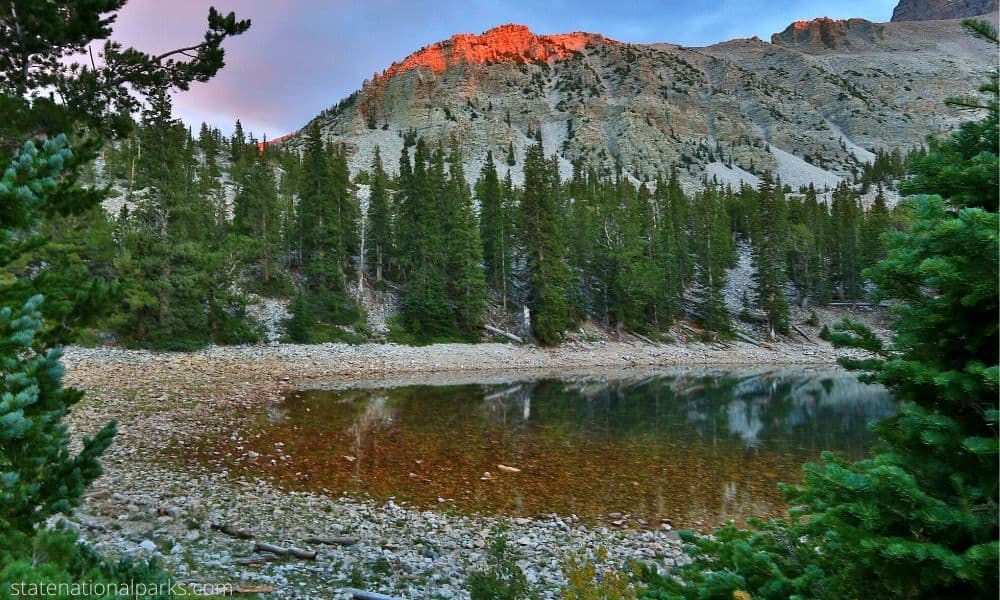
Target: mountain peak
824	34
927	10
505	43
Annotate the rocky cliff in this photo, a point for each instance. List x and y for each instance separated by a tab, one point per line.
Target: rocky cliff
928	10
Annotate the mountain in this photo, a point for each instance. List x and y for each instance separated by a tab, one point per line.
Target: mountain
929	10
812	105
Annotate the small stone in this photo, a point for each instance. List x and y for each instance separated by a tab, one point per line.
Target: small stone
148	546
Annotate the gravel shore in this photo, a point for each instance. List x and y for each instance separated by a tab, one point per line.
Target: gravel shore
155	500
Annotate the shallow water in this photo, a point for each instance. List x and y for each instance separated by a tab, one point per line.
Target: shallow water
696	448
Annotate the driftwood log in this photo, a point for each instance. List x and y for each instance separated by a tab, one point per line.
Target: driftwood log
256	559
506	334
747	338
332	541
800	332
232	531
283	551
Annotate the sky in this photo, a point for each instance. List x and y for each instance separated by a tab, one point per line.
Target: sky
302	56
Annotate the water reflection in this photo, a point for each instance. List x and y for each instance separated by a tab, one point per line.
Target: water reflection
697	448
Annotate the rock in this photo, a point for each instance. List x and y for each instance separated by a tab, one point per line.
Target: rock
507	469
147	546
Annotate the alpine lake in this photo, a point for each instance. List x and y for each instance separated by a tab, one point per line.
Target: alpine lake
688	448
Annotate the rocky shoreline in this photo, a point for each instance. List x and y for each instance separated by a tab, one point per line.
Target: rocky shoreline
154	500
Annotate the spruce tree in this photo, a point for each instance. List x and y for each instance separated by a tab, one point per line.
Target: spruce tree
539	221
918	518
426	313
770	230
495	229
467	281
379	228
40	475
713	249
177	270
257	216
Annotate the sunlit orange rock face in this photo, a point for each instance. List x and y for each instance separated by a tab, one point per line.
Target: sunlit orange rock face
830	34
503	43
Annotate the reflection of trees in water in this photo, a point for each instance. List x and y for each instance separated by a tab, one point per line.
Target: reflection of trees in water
769	406
368	427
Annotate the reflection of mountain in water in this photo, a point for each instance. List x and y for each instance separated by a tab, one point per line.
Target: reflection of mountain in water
755	407
698	447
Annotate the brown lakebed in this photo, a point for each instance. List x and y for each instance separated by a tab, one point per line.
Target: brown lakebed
695	448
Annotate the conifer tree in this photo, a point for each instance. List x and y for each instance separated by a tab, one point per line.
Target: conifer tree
319	230
713	249
495	229
379	228
770	228
177	270
40	474
539	220
918	518
467	281
426	312
257	216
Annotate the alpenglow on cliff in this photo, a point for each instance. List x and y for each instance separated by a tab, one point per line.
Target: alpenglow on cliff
812	105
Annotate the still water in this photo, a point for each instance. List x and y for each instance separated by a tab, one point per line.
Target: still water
696	448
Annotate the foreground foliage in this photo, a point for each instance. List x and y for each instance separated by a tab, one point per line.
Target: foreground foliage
40	477
918	519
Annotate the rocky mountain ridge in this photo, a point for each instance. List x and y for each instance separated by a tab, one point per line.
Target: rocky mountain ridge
813	105
929	10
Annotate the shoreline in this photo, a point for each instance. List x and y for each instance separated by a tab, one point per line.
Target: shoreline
155	500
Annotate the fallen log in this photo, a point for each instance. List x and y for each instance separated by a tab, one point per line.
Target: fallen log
800	332
332	541
249	589
644	338
282	551
363	595
257	559
747	338
232	531
506	334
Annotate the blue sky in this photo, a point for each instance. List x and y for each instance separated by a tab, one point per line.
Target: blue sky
301	56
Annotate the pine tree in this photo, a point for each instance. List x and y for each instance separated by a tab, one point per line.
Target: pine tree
665	256
319	230
257	216
770	228
876	222
379	228
177	270
713	249
39	477
917	519
495	229
467	281
539	220
40	474
845	266
426	313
